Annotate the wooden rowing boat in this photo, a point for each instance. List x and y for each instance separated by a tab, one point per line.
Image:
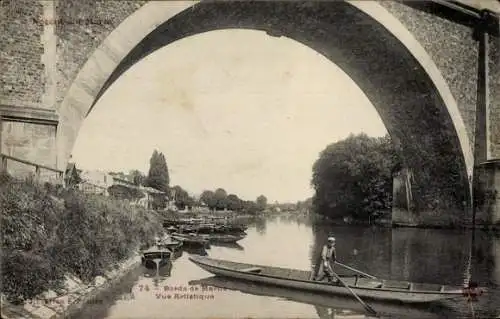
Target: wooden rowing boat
190	239
170	243
155	258
385	290
321	300
222	238
228	245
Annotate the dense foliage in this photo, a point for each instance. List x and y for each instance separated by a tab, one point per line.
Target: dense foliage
124	192
181	197
353	177
158	177
220	200
47	233
261	202
137	177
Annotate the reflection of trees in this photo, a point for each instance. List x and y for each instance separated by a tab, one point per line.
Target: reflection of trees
486	271
260	225
364	248
440	256
429	255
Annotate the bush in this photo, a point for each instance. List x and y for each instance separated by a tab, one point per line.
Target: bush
42	240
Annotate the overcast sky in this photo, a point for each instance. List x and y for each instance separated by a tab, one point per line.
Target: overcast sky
233	109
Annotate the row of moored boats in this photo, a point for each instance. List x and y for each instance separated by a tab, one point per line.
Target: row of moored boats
182	234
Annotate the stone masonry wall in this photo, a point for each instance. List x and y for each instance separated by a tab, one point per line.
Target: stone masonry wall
21	69
454	51
494	94
83	25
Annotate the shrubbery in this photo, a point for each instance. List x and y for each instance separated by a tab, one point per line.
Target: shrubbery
353	177
48	232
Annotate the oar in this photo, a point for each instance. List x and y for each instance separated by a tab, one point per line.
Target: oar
367	307
355	270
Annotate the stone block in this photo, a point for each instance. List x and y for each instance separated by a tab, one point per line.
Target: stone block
487	193
22	78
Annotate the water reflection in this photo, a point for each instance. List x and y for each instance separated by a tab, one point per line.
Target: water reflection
420	255
260	225
201	251
328	306
432	256
161	271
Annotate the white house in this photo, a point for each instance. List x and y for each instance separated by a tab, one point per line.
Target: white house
95	182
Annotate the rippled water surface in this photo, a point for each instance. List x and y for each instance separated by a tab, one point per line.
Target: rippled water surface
433	256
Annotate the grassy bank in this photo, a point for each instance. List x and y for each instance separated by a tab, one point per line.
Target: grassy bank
47	233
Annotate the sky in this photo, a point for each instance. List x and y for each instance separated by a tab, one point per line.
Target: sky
235	109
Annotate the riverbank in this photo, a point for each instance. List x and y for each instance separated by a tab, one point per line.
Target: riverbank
54	240
72	298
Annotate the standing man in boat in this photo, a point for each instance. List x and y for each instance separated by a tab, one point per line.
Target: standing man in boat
328	259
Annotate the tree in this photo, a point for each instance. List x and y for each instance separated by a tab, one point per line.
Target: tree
354	177
208	197
158	178
181	197
261	202
233	202
249	207
220	198
137	177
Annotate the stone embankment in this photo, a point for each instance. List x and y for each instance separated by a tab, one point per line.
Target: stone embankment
75	295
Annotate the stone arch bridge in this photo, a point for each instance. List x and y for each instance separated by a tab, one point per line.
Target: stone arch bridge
431	69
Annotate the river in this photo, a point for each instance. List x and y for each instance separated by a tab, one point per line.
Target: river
433	256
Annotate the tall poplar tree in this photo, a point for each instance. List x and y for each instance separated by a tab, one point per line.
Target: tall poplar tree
158	178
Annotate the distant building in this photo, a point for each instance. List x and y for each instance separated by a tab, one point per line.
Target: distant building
95	182
99	182
148	193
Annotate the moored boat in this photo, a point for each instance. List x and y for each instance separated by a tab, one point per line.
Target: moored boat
170	243
376	289
332	302
191	239
155	258
224	238
228	245
171	229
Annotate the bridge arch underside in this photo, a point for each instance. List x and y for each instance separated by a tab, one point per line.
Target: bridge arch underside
404	95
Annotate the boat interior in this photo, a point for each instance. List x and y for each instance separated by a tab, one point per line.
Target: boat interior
157	255
351	279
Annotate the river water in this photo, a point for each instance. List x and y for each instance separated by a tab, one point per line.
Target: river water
432	256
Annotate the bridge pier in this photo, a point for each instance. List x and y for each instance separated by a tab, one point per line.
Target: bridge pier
28	133
486	179
487	193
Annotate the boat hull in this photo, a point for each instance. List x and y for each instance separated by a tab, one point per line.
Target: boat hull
320	300
388	295
191	241
215	238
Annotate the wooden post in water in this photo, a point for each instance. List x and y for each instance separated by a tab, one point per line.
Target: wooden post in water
37	173
4	163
